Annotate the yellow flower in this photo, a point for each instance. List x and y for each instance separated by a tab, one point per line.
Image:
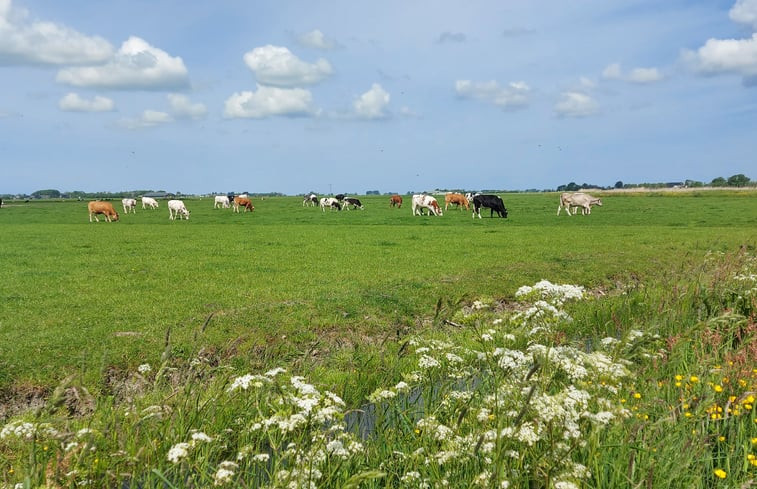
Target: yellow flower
688	414
637	395
720	473
754	441
718	388
678	384
679	377
693	379
721	438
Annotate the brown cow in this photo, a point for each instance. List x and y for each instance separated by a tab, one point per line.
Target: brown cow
457	199
395	200
96	207
243	202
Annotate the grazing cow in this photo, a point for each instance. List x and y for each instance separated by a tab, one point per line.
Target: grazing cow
395	200
339	197
221	201
578	199
331	203
1	203
310	200
493	202
243	202
421	202
129	205
96	207
177	208
351	201
149	201
457	199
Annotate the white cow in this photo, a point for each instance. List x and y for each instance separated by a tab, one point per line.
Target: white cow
221	200
578	199
177	208
331	203
129	205
149	201
421	202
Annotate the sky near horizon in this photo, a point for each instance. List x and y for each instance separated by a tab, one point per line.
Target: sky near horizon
347	96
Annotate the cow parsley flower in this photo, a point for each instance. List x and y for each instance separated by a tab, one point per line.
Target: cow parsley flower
427	362
178	452
145	368
225	473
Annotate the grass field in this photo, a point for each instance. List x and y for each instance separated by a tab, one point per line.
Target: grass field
80	297
180	354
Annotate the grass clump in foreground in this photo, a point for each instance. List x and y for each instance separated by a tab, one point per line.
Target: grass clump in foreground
661	394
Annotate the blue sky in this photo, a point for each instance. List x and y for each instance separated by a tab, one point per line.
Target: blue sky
348	96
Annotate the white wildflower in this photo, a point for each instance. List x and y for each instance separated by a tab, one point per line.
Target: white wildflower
225	473
336	448
274	372
261	457
427	362
145	368
303	388
178	452
200	436
401	386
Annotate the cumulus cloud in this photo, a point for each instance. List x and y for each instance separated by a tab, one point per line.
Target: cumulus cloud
512	96
276	65
737	56
183	108
636	75
149	118
29	42
744	12
317	40
269	101
576	104
72	102
451	37
136	66
372	104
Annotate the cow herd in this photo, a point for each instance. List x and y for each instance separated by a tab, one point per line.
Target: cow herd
421	204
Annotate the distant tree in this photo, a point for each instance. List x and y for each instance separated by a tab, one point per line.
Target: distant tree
46	194
739	180
619	184
719	182
693	183
372	192
572	187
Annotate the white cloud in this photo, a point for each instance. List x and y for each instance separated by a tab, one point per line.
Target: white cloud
136	66
182	108
317	40
74	103
737	56
269	101
576	104
636	75
276	65
514	95
372	103
26	42
149	118
744	12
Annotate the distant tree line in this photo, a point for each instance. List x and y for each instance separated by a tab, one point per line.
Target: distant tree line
739	180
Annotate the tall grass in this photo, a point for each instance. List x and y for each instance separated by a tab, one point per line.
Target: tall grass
646	385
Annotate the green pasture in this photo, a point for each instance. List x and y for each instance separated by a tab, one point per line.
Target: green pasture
289	285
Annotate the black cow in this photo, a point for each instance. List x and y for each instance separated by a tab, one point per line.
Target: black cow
351	201
493	202
339	197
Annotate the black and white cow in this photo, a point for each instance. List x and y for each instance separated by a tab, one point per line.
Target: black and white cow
310	199
351	201
493	202
331	203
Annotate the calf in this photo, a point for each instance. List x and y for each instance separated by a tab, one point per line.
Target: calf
456	199
428	202
331	203
221	201
129	205
243	202
395	200
493	202
149	201
96	207
351	201
177	208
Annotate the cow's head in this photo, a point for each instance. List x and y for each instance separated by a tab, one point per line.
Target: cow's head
437	209
114	217
596	202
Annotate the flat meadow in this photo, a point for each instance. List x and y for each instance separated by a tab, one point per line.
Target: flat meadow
353	301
